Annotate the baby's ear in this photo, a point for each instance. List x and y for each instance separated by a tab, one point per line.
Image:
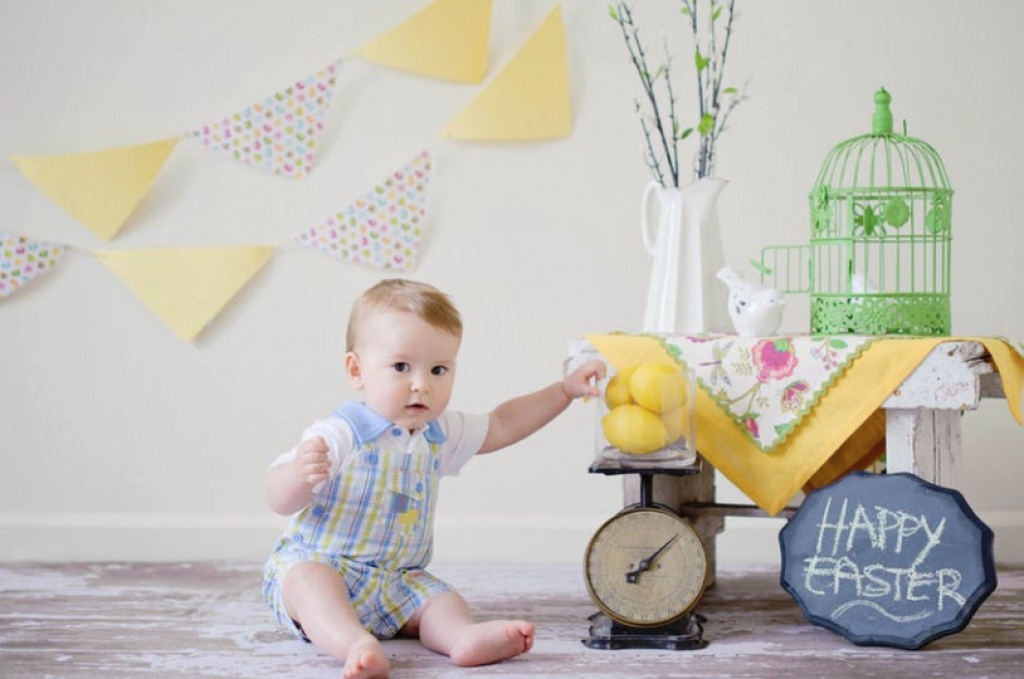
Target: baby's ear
353	370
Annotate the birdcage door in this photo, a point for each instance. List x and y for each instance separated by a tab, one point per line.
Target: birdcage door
787	268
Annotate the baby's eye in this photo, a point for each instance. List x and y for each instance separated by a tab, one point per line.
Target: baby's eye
438	370
401	367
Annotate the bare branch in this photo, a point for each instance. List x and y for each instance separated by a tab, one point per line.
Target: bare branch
710	53
631	35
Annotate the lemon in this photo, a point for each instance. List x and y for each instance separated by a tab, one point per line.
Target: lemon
617	392
633	429
657	387
675	423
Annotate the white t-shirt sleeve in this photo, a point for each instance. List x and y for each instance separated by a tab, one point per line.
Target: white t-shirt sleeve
338	438
465	434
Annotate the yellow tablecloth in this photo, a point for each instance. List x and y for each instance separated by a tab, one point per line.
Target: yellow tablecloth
843	432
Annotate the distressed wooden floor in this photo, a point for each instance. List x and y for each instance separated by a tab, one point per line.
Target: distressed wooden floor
207	620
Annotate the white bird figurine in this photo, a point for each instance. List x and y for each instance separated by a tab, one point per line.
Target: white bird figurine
756	311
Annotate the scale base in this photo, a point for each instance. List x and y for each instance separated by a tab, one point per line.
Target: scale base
685	634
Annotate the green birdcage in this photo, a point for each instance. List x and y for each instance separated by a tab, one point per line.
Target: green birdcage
879	257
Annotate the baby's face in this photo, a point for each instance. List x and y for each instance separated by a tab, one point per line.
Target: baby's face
405	366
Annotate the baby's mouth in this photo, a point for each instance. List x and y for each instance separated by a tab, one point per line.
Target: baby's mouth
417	407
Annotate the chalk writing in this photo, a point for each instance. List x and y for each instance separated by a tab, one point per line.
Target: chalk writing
887	559
875	557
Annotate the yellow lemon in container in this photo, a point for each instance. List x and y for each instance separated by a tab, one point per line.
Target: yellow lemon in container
658	387
633	429
617	392
675	423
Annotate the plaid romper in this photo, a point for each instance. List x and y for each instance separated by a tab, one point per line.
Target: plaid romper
372	522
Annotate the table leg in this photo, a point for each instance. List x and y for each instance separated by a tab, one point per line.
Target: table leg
925	442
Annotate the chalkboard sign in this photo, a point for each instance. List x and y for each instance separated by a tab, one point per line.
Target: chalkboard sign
887	560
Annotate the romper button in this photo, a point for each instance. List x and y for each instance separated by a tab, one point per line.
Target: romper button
396	432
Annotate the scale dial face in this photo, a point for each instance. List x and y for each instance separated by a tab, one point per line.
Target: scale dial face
646	567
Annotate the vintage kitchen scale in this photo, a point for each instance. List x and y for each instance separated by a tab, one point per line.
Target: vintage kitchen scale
646	567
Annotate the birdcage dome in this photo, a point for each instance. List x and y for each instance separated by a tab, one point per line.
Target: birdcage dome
883	160
880	215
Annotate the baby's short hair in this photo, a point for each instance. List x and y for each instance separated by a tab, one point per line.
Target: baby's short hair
398	294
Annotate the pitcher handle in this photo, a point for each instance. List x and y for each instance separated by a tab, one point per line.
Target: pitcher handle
645	230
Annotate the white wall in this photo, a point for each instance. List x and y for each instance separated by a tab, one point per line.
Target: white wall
119	441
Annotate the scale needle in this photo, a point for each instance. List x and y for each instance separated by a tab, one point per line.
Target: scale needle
632	577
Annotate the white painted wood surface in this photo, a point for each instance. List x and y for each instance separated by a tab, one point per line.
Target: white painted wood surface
922	417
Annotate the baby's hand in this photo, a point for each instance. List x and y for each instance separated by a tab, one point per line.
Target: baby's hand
312	461
583	380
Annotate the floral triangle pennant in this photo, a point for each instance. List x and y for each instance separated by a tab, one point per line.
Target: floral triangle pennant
280	133
22	259
384	227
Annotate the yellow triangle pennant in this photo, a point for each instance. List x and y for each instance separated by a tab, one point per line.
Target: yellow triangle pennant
188	287
529	98
99	188
447	39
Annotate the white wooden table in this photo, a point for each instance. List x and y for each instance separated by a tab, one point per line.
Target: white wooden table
922	433
922	417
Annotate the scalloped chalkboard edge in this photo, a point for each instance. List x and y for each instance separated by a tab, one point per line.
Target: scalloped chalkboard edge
966	612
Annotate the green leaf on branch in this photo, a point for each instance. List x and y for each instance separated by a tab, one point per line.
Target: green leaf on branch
730	90
686	133
707	123
657	74
699	61
613	14
714	15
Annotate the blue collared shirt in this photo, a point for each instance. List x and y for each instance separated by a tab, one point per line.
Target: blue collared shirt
367	425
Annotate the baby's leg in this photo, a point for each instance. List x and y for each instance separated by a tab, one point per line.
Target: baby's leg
316	598
445	625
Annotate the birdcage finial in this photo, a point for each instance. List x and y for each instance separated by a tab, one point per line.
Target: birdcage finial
881	122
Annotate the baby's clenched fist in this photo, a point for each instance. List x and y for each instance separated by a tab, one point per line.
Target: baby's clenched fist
312	461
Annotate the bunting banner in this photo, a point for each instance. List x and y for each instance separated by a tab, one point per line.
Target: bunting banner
23	259
100	189
280	133
384	227
188	287
448	39
529	99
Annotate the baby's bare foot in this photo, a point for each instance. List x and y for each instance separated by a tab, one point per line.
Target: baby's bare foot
493	641
366	660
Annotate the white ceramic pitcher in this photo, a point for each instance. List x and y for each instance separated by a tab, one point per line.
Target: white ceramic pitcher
684	296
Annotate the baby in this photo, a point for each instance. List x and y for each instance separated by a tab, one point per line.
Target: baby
350	569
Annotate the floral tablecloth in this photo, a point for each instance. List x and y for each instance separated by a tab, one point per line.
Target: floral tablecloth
767	384
777	415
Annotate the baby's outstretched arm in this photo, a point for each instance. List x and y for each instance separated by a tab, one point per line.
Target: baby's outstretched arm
290	485
516	419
